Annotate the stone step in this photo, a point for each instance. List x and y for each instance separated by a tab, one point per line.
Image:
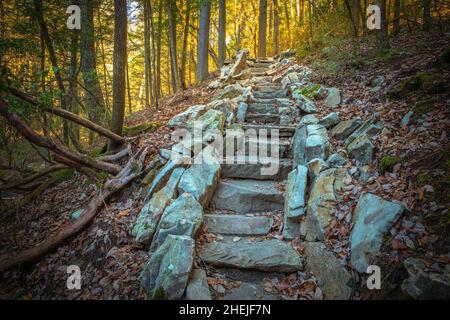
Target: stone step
283	131
247	196
267	87
262	64
262	108
250	168
256	145
268	256
238	225
269	95
263	118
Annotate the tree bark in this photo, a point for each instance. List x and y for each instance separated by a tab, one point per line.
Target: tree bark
396	22
120	57
203	40
222	32
185	43
276	27
171	12
382	34
93	98
262	30
426	15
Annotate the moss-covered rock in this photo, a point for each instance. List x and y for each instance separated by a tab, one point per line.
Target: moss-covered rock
141	128
387	163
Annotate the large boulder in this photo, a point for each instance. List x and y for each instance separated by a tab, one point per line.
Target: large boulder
164	174
334	97
200	180
322	200
272	255
227	108
183	217
423	284
330	120
362	149
191	114
370	128
295	194
345	128
304	103
310	141
231	91
147	221
332	277
239	65
213	120
373	217
166	273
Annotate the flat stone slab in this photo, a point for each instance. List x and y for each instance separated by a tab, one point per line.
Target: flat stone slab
283	131
271	255
238	225
257	168
249	291
269	95
255	147
246	196
263	108
263	117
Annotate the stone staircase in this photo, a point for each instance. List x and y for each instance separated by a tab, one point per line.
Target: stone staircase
245	203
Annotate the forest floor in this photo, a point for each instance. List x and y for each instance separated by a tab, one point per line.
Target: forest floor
111	261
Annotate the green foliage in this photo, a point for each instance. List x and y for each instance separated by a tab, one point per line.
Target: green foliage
387	163
64	174
424	178
310	91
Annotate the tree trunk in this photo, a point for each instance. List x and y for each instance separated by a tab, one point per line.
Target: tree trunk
147	52
262	33
288	21
120	57
93	98
382	33
426	15
185	43
222	31
276	27
155	78
39	13
158	49
356	12
396	22
74	130
203	40
171	12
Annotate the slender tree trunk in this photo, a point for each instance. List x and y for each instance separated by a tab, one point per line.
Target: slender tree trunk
396	22
130	107
382	33
119	65
203	40
74	130
262	33
171	12
288	21
93	98
185	43
39	13
105	70
426	15
276	27
356	12
147	52
158	48
222	31
155	77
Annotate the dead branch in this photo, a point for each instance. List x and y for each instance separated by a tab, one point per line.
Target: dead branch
14	185
69	116
131	171
115	157
57	148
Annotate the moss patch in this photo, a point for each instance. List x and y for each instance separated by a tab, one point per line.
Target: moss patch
141	128
387	163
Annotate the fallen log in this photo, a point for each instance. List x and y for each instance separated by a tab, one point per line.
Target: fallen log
131	171
57	148
69	116
27	180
